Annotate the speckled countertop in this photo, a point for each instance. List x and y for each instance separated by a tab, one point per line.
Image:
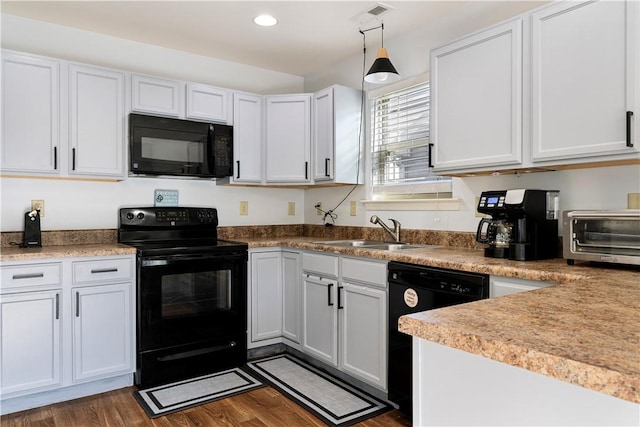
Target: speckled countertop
585	330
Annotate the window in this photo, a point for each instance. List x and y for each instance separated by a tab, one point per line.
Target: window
400	146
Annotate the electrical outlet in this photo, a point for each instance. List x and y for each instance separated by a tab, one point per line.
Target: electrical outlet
244	207
475	208
38	205
291	208
633	201
352	208
318	207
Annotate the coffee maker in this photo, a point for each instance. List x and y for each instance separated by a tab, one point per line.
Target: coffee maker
523	224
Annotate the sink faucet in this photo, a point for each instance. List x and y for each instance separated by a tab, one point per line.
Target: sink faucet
395	233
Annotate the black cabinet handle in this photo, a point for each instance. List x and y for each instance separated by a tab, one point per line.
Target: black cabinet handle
430	153
326	167
329	287
57	306
104	270
27	276
306	170
73	159
77	304
340	306
55	158
238	164
629	118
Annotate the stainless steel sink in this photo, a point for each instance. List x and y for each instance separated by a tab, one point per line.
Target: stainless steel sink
350	243
399	246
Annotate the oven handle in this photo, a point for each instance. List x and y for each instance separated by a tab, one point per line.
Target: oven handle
179	258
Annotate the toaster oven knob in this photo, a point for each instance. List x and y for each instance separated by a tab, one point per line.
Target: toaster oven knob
129	216
140	215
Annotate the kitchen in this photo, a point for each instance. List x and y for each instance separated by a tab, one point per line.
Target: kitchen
87	205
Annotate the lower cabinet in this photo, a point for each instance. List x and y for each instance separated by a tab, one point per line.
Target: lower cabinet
65	323
102	334
31	341
320	318
274	297
500	286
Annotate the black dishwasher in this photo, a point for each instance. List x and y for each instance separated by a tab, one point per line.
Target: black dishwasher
414	288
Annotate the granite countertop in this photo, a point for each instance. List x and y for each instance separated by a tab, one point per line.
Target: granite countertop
585	330
17	254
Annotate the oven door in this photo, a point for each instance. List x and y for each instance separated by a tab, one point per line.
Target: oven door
191	315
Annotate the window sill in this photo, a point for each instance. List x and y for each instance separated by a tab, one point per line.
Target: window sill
412	205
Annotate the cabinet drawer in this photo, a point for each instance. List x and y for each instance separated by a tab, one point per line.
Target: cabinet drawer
322	264
361	270
22	276
109	270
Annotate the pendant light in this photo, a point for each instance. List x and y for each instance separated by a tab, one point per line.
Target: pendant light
382	71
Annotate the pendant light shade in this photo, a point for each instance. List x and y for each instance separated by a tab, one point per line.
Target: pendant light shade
382	70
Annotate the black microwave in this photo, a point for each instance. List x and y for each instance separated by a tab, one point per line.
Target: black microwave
165	146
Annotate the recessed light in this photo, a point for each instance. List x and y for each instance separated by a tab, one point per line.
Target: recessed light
265	20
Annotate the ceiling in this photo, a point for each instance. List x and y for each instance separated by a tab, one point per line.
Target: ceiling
310	35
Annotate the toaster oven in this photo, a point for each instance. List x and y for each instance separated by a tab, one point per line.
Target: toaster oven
602	236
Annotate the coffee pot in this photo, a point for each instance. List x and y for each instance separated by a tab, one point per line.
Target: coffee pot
497	233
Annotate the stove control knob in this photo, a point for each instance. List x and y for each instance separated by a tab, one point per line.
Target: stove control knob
140	215
129	216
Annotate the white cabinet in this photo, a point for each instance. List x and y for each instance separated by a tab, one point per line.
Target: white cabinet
274	297
266	295
68	329
156	96
208	103
500	286
336	138
288	138
476	100
30	114
102	333
291	297
247	138
584	80
96	117
31	341
345	315
362	307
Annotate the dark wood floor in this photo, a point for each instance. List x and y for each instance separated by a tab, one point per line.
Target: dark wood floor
257	408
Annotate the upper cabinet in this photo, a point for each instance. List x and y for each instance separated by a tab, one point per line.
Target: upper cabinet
336	138
207	103
288	138
96	117
553	88
476	100
583	79
156	96
30	114
247	138
61	119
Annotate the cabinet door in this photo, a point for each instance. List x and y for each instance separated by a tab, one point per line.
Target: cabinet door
266	295
207	103
291	296
320	321
476	100
583	79
288	138
363	333
30	354
323	135
96	102
102	331
156	96
30	114
247	137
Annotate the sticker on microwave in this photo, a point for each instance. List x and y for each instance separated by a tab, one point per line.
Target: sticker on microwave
411	298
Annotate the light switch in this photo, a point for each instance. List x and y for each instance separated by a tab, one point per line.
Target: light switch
244	207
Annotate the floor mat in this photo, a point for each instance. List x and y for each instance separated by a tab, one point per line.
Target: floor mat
165	399
330	399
